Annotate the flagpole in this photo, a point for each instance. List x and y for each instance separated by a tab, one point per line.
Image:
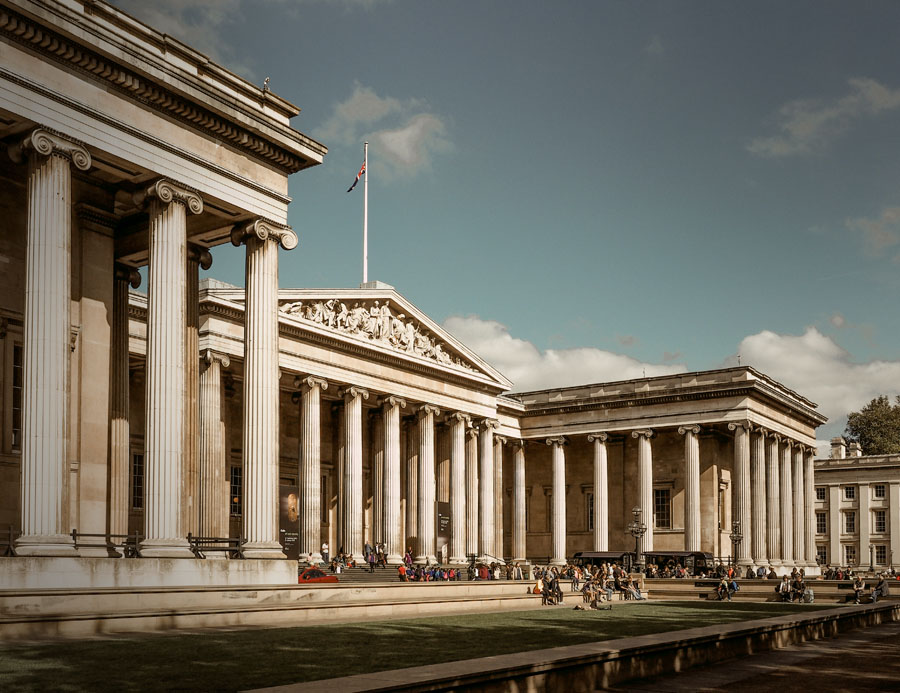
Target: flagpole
366	214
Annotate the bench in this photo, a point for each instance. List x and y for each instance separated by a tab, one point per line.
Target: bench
126	545
230	546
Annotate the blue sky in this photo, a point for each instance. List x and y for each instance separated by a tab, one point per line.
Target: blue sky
586	191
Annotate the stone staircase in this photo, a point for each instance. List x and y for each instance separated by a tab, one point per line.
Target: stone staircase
827	591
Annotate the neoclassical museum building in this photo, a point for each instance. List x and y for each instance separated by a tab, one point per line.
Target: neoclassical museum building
289	418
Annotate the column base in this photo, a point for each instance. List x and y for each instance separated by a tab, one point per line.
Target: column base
394	559
45	545
557	561
457	560
426	560
263	549
165	548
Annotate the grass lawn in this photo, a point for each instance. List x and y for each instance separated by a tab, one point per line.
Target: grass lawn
235	660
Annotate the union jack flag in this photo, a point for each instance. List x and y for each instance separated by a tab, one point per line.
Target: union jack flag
362	170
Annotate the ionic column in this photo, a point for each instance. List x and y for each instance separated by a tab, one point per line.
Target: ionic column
472	532
412	483
352	517
773	500
214	508
197	257
758	498
558	519
426	519
691	487
486	477
499	442
519	548
377	478
119	427
809	506
601	491
798	506
46	340
164	532
393	542
741	488
459	422
786	498
645	486
310	535
261	393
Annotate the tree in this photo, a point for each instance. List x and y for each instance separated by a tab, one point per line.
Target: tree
876	427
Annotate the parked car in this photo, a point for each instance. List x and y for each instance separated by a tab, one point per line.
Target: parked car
315	575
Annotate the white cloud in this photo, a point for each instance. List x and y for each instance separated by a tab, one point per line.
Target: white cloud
531	369
403	132
878	234
837	320
808	125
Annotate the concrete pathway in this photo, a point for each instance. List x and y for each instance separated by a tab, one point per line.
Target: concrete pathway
861	660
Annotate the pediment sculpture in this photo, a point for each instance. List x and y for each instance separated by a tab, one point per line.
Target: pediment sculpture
375	321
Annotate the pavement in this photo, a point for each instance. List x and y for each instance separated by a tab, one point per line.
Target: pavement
861	660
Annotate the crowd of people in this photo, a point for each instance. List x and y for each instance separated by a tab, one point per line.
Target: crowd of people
594	582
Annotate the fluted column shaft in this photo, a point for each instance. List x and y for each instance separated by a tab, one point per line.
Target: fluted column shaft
472	497
645	486
119	426
741	489
773	501
412	483
458	423
519	547
426	515
691	487
486	477
214	508
498	495
352	518
46	342
797	505
786	497
391	513
809	506
601	491
758	498
310	533
377	479
558	519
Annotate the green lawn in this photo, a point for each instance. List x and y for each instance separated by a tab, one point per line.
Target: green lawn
234	660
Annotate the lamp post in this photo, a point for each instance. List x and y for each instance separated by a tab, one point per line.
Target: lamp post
871	557
736	538
637	529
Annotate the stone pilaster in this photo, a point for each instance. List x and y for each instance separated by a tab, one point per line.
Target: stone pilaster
645	486
261	392
741	489
786	498
486	477
601	491
499	442
393	542
426	514
809	506
691	487
214	510
310	537
459	422
119	426
798	506
558	518
773	500
164	532
519	548
758	498
472	532
352	516
44	506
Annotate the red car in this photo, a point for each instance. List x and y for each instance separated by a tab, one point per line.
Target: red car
315	575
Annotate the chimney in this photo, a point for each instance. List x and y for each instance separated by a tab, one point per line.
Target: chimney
838	448
855	450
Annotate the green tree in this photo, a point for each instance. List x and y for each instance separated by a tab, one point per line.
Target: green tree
876	427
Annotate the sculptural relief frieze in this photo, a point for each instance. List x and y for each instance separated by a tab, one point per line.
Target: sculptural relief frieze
375	321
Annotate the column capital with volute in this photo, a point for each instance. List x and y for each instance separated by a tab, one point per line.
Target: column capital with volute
167	191
127	273
199	254
392	401
455	416
492	424
352	392
691	428
746	425
311	381
557	440
601	436
209	356
264	230
642	433
427	409
47	142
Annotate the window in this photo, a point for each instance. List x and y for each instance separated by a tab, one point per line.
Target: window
137	481
820	493
849	554
849	492
589	501
821	523
236	490
880	554
850	522
662	508
17	383
878	491
880	524
822	554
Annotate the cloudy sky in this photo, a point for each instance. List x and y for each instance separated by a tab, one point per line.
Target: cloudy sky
588	191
